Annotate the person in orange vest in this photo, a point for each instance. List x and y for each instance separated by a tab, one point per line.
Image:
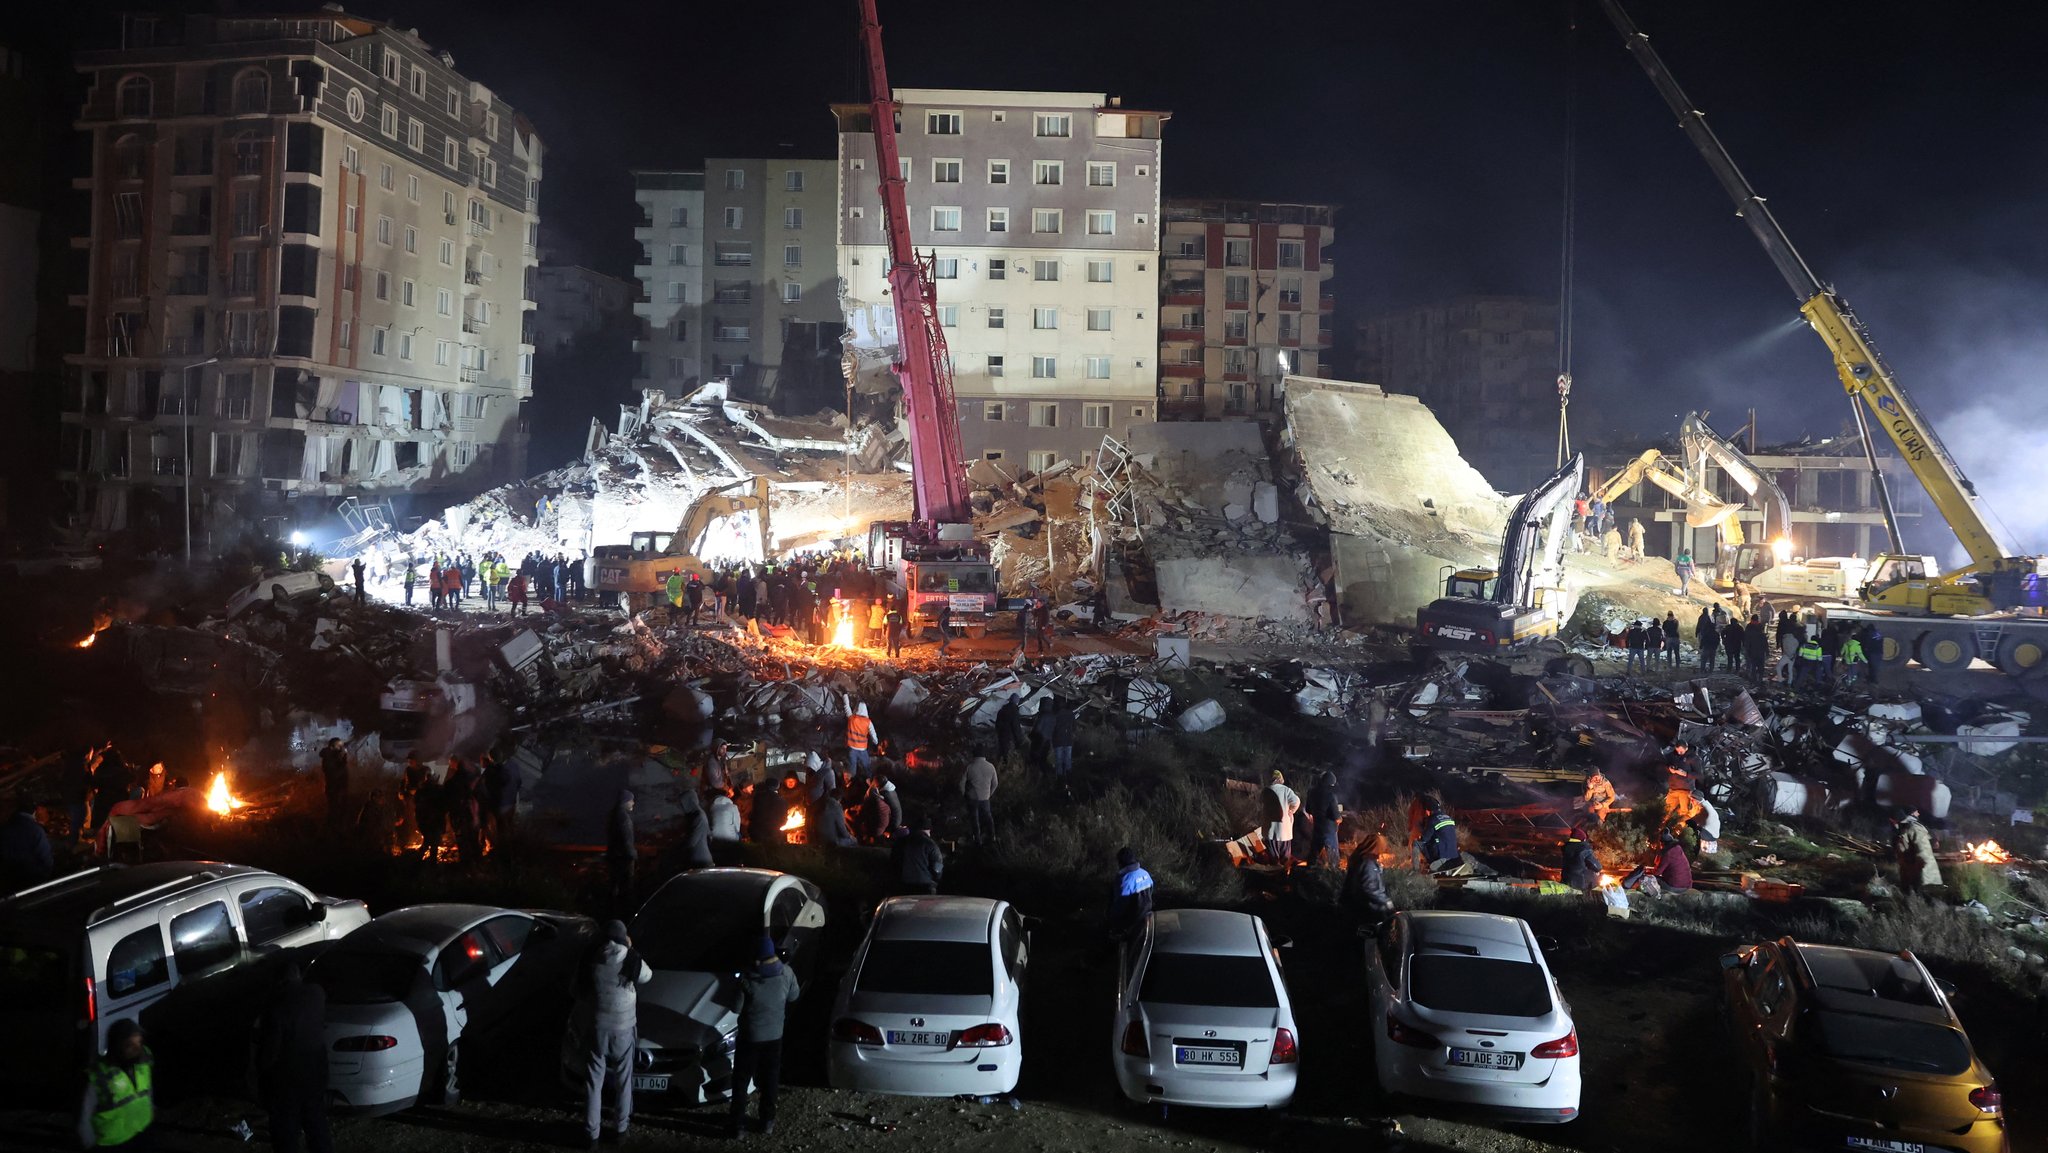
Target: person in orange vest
434	584
860	736
516	594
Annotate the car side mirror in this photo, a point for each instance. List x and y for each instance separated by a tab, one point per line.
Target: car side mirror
1733	960
316	913
1948	988
1282	942
1547	944
545	930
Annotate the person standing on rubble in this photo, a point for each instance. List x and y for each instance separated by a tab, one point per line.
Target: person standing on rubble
1365	883
1830	649
1914	849
693	840
1278	805
1686	571
1807	665
515	592
334	774
919	863
621	852
1324	813
355	569
1852	660
1579	524
893	621
412	577
434	584
501	792
1632	640
1707	635
1581	865
1756	648
944	621
1635	538
1732	635
1059	735
978	785
693	595
459	794
431	811
861	735
1671	638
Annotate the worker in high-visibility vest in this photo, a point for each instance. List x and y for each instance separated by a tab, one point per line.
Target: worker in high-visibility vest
860	735
118	1108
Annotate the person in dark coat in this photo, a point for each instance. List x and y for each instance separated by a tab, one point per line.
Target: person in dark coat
693	841
459	800
1365	881
430	810
766	992
1060	736
1756	647
291	1064
334	771
1323	816
1707	635
828	823
1581	868
77	779
1671	638
1673	868
1439	836
1131	907
25	855
112	781
1009	727
919	863
1733	636
764	821
621	851
501	794
356	567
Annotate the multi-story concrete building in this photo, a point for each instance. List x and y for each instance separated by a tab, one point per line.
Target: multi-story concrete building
575	301
670	305
772	275
306	275
1043	211
1242	304
1487	365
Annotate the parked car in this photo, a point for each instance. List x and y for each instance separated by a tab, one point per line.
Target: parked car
930	1006
185	948
1464	1010
698	932
1856	1049
405	991
284	586
48	563
1202	1014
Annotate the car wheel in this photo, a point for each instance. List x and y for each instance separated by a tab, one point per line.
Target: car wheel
451	1081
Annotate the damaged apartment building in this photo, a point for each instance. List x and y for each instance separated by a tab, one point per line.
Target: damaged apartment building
306	275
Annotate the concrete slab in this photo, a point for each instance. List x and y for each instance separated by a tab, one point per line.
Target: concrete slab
1200	457
1238	586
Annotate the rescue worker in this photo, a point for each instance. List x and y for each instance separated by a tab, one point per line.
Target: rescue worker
860	736
894	622
412	577
944	620
118	1107
1600	797
1914	849
430	810
1365	882
515	592
1131	908
918	861
291	1063
1872	643
1440	837
608	1013
1756	648
978	785
1852	660
1278	805
621	851
1707	635
767	990
1635	538
356	569
674	588
1807	665
693	596
434	585
1581	866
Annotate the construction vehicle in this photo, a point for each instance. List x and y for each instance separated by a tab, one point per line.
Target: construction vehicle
1991	608
637	573
934	558
1522	599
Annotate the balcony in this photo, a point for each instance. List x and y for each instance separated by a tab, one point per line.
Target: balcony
644	220
1171	334
471	375
477	228
735	260
471	324
168	466
237	408
471	276
1181	371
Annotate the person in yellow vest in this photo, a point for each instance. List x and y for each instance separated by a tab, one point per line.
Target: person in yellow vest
860	735
118	1109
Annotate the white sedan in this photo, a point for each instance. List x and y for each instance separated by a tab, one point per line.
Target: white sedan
1465	1010
405	991
1202	1015
930	1006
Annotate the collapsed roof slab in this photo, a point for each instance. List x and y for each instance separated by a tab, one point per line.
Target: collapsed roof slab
1266	587
1198	456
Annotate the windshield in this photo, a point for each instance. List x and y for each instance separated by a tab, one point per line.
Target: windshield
1487	986
1208	979
935	968
700	928
354	977
1888	1041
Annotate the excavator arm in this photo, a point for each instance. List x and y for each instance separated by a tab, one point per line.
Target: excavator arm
1532	547
1704	446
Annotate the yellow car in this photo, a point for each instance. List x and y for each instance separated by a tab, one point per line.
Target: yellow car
1852	1049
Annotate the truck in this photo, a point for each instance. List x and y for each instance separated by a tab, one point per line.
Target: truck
1992	608
925	571
1521	600
637	573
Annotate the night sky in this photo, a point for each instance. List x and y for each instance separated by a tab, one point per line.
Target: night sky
1899	144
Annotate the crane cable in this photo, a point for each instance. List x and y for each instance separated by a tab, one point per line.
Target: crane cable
1568	239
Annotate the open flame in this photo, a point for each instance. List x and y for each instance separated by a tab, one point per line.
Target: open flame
794	821
1989	852
219	799
1608	880
842	633
89	638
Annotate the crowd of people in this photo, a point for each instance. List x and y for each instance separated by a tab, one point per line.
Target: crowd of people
489	577
1783	647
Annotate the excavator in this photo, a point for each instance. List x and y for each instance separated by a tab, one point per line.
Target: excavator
1520	602
638	573
1993	607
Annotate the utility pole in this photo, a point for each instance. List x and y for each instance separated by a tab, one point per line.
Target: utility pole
185	418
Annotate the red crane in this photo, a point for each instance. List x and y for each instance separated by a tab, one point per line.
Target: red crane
938	477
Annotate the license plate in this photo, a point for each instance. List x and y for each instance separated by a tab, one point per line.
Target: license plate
1192	1055
650	1084
1887	1145
914	1037
1485	1059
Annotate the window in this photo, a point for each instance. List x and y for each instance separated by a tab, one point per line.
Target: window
391	66
945	172
1098	320
383	230
134	96
447	252
1047	172
242	272
942	123
792	292
1290	290
995	368
1101	223
412	239
1045	270
675	292
734	331
1098	369
348	335
405	293
405	346
792	255
679	329
998	268
415	134
1290	254
679	254
998	172
903	168
1101	175
1045	318
248	218
1044	413
252	92
1234	362
354	104
377	337
1096	415
385	178
1190	246
949	316
855	212
383	286
351	160
946	268
451	153
1290	327
1237	253
1235	324
1045	220
203	939
678	367
735	216
945	220
1101	271
454	104
735	179
733	255
387	121
491	125
137	962
793	180
998	220
1043	368
992	410
996	316
1237	289
444	353
444	302
412	187
792	218
351	219
1052	124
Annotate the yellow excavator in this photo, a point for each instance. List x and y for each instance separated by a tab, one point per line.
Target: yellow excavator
637	573
1992	608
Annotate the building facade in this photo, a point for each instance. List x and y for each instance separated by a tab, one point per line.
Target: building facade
773	272
307	272
1243	303
1043	211
574	301
1487	366
670	305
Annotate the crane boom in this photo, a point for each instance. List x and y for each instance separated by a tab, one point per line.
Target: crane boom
923	367
1863	372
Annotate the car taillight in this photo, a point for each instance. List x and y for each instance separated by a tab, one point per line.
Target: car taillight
1401	1034
365	1044
1987	1099
1285	1051
1565	1046
1135	1043
983	1037
855	1032
92	1002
